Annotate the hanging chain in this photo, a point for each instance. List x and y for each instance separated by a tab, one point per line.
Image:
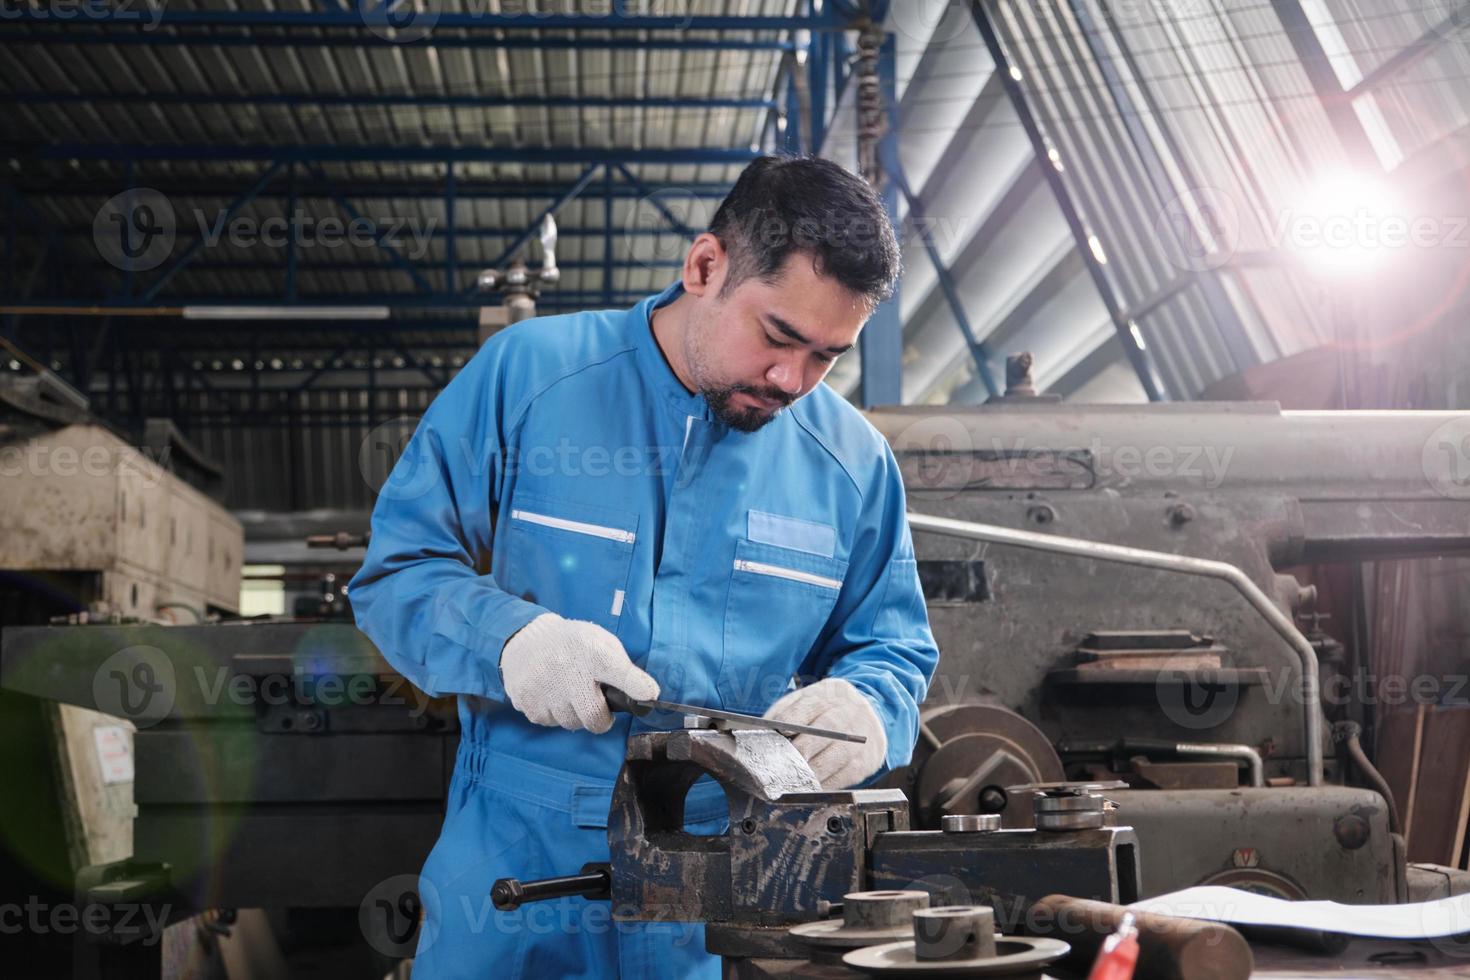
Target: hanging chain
872	120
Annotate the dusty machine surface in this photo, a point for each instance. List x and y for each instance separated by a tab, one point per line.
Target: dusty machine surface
1108	587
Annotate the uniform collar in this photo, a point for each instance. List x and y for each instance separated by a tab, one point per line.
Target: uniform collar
655	367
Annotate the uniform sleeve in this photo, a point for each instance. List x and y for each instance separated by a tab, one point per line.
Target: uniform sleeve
424	594
878	637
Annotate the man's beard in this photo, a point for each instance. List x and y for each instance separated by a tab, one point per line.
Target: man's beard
744	419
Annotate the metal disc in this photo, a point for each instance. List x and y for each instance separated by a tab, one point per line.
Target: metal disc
831	934
1017	956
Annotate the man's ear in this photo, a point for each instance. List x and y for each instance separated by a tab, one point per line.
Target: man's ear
705	266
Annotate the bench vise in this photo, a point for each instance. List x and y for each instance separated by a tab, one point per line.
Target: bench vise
791	851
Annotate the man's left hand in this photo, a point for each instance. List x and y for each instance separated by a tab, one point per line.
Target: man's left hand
835	704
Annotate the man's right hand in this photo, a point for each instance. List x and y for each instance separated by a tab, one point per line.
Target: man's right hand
554	668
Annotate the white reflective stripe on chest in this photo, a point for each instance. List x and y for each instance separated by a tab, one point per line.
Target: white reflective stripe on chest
576	527
779	571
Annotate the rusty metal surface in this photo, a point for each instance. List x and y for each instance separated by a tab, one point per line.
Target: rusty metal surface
1244	484
790	850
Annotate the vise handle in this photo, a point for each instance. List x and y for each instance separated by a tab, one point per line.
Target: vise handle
594	882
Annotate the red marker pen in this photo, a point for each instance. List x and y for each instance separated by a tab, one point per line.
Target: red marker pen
1119	953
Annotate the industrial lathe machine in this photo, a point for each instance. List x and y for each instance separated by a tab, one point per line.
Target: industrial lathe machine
1128	703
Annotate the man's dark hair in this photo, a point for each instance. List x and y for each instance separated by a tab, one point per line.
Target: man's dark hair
807	205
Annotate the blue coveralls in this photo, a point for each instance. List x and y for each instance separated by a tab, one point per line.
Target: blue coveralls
566	468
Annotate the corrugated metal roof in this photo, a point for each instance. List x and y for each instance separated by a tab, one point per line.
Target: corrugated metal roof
320	92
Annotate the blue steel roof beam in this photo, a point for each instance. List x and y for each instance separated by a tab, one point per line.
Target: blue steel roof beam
658	205
193	250
1337	104
68	306
302	269
1222	311
249	39
498	231
888	149
382	241
472	21
361	191
366	99
1138	356
377	153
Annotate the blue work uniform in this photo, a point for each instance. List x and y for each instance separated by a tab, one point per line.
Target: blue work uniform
567	469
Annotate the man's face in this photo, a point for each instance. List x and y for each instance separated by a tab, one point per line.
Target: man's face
761	346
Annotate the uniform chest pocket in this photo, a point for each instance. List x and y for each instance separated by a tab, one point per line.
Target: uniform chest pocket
571	557
778	602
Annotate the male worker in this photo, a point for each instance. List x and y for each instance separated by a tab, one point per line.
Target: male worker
667	500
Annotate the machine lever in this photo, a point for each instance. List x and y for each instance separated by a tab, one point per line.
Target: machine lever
594	882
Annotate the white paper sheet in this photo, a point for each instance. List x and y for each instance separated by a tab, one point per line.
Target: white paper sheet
1425	920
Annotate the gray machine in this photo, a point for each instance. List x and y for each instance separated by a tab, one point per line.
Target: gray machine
1109	589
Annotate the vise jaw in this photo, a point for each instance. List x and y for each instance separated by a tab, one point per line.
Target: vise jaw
790	852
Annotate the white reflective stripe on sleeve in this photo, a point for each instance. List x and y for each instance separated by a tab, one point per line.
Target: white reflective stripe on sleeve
617	609
779	571
576	527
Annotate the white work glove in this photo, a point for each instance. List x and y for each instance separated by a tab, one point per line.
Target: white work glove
552	668
835	704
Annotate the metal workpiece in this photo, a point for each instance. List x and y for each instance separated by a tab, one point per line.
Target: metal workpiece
1071	808
954	932
701	716
970	823
958	940
868	919
967	754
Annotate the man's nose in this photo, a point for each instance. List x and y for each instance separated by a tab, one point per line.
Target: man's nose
786	375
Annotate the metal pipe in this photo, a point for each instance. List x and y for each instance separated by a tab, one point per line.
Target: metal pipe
1346	733
1163	561
1229	751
